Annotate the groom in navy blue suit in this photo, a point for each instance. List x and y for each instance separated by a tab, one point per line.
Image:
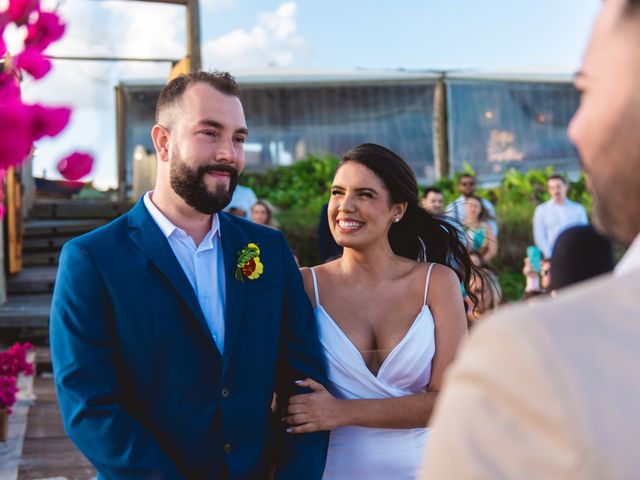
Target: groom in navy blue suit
172	326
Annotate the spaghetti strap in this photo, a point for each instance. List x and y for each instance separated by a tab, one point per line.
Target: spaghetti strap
315	287
426	286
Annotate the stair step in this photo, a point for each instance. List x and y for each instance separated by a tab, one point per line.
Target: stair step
44	244
76	209
26	311
30	259
45	228
32	280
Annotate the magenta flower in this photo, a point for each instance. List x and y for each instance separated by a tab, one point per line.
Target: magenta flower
47	121
46	30
19	10
14	361
8	392
15	137
32	61
75	166
3	46
9	88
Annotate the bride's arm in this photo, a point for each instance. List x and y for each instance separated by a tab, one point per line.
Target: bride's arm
319	410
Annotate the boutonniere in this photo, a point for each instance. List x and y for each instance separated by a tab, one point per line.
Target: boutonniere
249	264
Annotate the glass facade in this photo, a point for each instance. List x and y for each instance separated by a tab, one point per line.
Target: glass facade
495	125
288	123
492	125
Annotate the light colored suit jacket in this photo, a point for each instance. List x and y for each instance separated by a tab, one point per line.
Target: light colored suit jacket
546	390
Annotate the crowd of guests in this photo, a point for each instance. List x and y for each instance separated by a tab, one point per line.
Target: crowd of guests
563	239
561	231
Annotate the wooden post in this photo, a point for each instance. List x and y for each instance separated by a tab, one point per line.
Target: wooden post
14	221
193	35
121	136
440	130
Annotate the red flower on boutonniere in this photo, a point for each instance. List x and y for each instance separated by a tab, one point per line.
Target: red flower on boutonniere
249	264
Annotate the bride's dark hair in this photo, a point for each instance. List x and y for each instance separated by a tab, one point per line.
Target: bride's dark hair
418	235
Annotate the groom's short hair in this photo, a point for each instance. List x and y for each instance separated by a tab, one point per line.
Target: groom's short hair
172	93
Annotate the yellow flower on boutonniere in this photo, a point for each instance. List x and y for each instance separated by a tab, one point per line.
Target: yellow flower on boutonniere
249	264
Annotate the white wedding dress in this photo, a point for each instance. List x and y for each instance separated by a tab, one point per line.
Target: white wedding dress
376	453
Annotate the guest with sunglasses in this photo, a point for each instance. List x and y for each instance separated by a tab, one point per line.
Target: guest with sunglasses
467	188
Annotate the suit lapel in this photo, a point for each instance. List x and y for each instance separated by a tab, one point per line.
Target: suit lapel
146	234
233	241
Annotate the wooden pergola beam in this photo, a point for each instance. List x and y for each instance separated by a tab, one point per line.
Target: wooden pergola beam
193	29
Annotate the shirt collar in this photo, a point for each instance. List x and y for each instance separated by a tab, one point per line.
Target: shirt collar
631	259
166	225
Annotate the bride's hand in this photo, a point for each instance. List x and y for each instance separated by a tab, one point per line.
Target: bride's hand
312	412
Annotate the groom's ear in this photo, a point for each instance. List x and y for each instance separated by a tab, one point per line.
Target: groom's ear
160	136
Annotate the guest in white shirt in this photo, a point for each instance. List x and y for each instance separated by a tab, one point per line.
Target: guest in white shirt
554	216
242	201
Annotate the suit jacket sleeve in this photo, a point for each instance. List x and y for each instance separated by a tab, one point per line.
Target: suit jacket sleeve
86	364
502	411
300	455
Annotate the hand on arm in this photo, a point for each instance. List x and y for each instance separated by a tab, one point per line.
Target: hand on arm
319	410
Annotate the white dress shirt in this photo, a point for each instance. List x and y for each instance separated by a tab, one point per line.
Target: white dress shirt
631	259
550	219
203	265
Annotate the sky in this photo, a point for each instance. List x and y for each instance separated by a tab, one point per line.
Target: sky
546	36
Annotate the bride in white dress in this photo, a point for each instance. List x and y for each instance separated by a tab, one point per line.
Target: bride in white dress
390	315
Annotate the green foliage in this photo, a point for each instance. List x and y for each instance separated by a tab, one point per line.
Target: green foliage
299	191
305	184
512	285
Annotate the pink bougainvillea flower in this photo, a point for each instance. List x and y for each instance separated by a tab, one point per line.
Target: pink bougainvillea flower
75	166
3	46
8	390
46	30
9	88
19	10
15	135
47	121
31	60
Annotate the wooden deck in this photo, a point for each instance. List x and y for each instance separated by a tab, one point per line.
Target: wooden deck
47	452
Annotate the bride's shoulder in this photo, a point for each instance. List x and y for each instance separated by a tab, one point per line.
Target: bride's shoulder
323	272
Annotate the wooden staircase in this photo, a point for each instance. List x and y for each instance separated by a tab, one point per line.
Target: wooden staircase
49	225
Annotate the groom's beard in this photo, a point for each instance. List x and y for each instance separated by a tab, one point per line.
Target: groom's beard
191	187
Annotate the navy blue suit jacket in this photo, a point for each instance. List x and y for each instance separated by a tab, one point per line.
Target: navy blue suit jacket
143	390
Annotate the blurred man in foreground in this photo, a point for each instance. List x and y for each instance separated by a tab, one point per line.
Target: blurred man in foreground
551	390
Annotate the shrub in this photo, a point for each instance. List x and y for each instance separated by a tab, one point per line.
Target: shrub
300	191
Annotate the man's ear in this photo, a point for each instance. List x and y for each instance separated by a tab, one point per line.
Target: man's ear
160	136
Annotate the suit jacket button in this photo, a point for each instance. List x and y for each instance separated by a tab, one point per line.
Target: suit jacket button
225	392
227	448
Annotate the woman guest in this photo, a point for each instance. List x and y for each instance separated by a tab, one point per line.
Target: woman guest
480	236
390	316
486	288
262	213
